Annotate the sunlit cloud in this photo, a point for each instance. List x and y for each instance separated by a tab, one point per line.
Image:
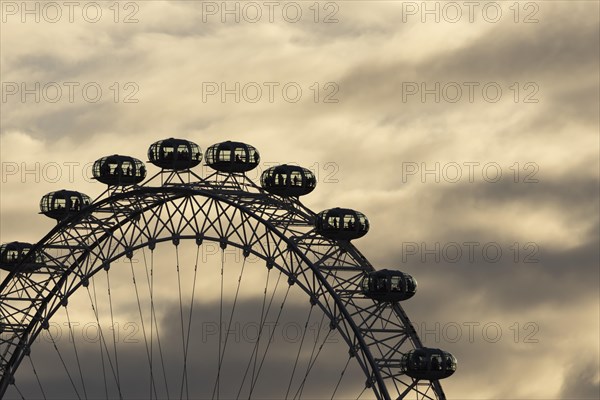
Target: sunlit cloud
393	105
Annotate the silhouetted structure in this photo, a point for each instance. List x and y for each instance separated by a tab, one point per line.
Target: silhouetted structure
427	363
226	208
15	254
342	224
63	203
232	157
288	180
175	154
117	170
389	286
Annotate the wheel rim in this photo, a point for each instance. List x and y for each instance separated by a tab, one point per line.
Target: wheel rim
133	219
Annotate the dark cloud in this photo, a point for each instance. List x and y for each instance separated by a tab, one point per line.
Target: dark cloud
367	135
558	58
564	49
80	121
275	372
576	195
557	278
526	275
581	380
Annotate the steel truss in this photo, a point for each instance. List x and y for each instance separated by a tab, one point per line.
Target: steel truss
231	210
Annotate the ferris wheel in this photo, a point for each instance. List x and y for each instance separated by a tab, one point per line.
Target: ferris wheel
210	269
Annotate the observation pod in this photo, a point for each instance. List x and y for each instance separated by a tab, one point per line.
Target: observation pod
14	255
426	363
119	170
174	154
288	180
232	157
342	224
390	286
59	205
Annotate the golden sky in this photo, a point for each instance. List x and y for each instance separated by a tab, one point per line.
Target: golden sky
450	125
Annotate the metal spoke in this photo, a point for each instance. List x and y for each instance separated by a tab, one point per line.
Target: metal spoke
137	295
76	352
37	378
222	355
189	328
103	341
341	377
62	361
299	351
184	372
253	385
154	326
100	341
114	334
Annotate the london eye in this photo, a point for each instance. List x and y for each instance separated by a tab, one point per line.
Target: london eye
208	268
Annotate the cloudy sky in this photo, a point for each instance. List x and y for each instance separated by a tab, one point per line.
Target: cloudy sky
467	133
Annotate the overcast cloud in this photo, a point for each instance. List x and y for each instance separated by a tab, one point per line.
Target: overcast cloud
501	151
